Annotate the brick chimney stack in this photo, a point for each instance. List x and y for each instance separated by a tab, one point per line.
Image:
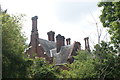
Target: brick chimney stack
60	41
51	36
34	23
87	47
34	32
88	43
34	35
85	44
68	41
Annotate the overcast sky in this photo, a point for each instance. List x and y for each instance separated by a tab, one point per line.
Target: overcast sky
73	19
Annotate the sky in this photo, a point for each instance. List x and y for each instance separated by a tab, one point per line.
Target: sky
73	19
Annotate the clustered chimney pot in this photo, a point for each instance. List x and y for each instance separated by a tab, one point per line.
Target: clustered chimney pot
60	42
68	41
51	36
87	47
35	18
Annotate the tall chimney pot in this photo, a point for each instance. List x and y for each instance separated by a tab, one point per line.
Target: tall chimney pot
87	47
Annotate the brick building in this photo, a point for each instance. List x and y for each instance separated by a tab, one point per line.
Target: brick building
54	52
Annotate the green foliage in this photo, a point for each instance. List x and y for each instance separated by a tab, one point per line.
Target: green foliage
109	61
108	64
83	66
109	56
43	70
101	63
111	19
14	65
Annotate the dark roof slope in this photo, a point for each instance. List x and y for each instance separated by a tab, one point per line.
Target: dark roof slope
62	56
47	45
50	49
65	51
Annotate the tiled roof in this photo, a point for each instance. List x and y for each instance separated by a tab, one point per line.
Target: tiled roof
50	49
47	45
62	56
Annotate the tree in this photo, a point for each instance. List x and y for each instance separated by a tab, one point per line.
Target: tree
43	70
108	62
109	56
82	67
14	65
101	63
110	18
